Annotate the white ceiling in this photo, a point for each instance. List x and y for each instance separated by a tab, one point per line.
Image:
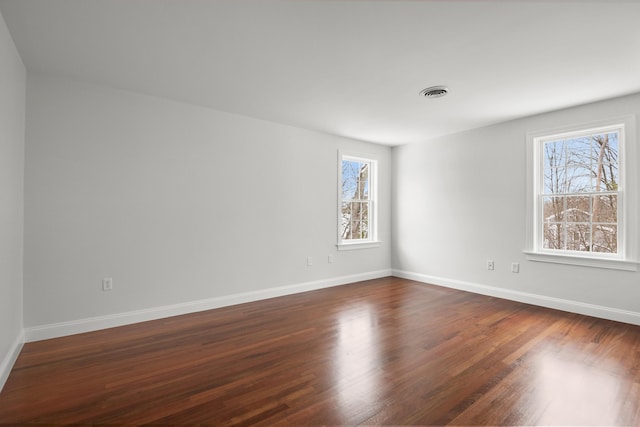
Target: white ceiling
351	68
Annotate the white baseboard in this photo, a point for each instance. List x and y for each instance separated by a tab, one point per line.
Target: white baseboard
55	330
10	359
608	313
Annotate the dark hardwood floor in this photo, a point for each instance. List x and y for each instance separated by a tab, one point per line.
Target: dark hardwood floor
381	352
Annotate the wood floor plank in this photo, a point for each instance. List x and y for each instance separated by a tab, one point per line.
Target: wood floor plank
384	352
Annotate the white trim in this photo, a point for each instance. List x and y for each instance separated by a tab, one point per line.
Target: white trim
584	261
10	359
359	245
55	330
599	311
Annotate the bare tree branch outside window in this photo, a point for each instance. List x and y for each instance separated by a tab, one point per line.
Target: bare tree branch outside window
580	193
356	202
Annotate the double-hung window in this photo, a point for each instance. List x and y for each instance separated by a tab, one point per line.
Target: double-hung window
357	204
579	195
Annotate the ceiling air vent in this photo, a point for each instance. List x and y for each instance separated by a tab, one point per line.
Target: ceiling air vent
434	92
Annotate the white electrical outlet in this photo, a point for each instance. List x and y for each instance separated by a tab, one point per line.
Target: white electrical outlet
490	265
107	284
515	267
309	261
330	259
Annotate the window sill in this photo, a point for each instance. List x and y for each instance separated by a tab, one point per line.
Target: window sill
360	245
584	261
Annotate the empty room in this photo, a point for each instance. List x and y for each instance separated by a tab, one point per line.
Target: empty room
319	212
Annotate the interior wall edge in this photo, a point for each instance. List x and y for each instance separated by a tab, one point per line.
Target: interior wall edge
570	306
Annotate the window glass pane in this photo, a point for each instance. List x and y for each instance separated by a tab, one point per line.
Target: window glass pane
578	237
579	164
554	167
555	181
579	178
578	151
345	212
358	210
363	189
553	236
606	178
346	230
356	230
612	148
553	209
605	208
362	192
554	154
364	211
605	239
606	173
578	209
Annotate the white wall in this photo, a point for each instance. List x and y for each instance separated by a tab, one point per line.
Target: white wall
12	117
460	200
176	203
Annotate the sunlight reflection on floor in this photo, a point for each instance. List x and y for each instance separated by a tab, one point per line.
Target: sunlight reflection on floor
357	354
571	393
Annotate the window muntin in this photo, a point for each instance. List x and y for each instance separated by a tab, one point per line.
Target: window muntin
357	198
579	192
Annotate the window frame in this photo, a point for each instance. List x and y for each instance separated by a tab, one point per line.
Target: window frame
625	257
372	240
